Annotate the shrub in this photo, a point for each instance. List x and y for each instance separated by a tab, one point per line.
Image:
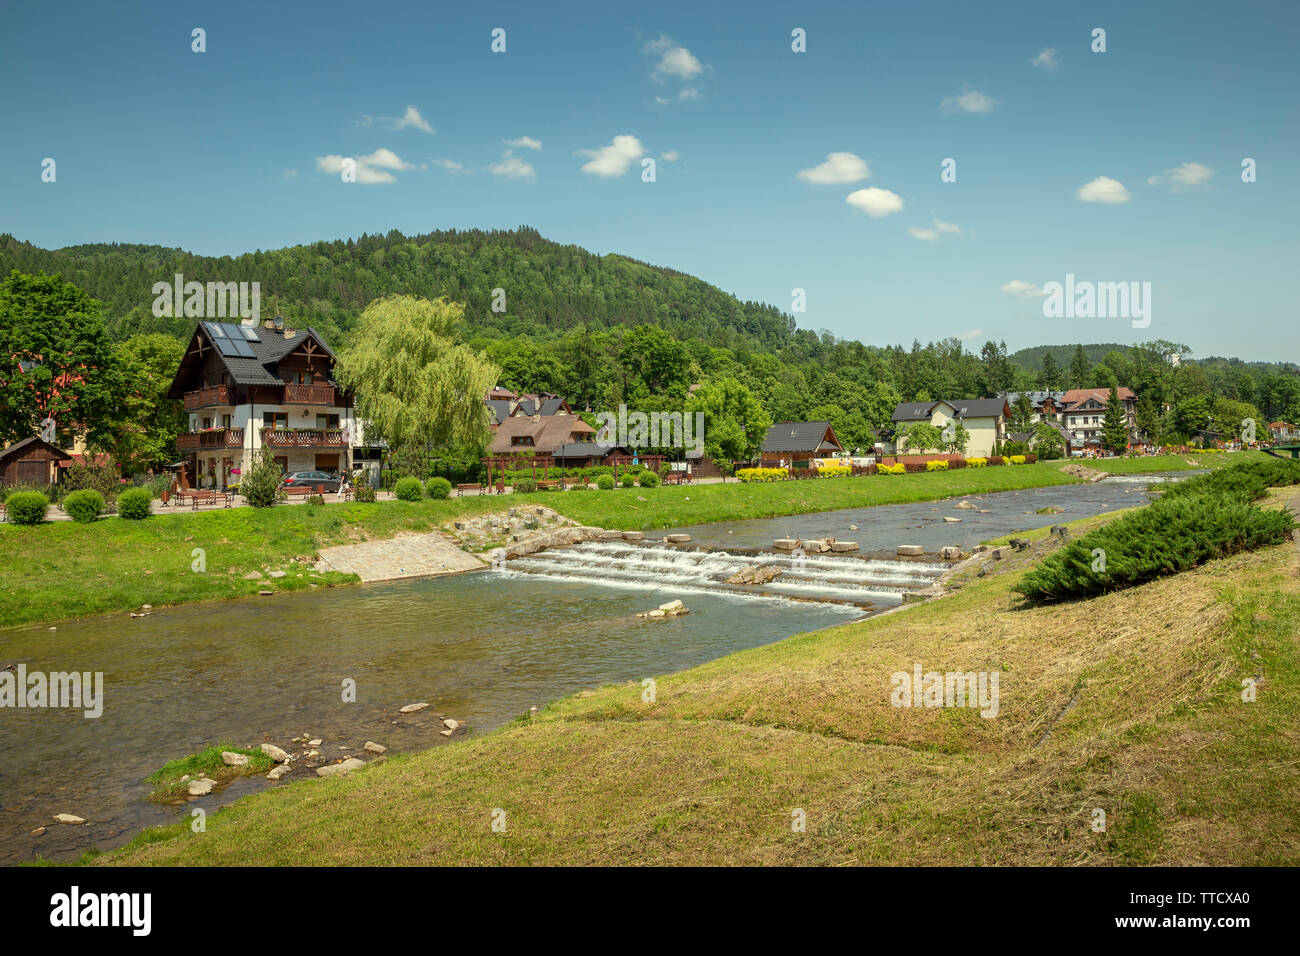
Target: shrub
976	462
316	500
750	475
26	507
438	487
891	469
995	460
580	486
956	463
605	482
133	504
1016	460
627	481
648	479
936	465
524	486
364	493
914	467
834	471
101	478
84	506
1171	534
408	489
260	484
1030	458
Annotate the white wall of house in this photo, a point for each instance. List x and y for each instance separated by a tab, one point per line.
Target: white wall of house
249	417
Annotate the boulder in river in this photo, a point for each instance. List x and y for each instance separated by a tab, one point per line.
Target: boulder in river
278	772
231	759
413	708
755	574
275	753
673	608
68	818
198	788
910	550
374	748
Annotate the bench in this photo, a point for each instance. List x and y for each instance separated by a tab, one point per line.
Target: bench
303	491
465	486
204	496
549	483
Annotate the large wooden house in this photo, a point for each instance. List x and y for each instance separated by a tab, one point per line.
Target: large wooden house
247	387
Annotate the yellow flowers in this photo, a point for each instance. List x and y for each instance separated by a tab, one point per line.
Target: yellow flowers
977	462
937	465
763	474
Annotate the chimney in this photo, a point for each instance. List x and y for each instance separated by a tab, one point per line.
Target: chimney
537	418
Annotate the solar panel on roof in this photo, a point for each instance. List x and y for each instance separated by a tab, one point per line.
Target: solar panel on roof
226	346
250	333
215	330
242	348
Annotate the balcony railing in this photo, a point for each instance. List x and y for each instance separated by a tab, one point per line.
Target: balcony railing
207	397
303	438
309	395
212	438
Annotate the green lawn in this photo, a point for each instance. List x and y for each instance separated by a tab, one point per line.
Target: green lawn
1194	461
1140	691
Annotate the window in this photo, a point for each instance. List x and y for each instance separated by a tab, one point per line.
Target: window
275	419
327	421
301	378
225	421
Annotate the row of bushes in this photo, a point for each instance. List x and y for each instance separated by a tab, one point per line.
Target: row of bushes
83	505
1210	516
412	489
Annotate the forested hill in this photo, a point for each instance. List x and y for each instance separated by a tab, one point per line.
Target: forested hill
549	287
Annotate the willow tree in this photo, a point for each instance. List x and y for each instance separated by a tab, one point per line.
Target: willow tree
415	385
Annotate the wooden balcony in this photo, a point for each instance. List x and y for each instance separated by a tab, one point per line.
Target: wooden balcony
213	438
207	397
303	438
309	395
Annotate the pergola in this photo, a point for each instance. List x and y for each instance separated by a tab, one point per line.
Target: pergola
499	465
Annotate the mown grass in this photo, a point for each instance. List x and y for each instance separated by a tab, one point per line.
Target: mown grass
1128	702
1193	461
168	782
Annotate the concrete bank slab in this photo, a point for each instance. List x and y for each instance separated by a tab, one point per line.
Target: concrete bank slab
405	556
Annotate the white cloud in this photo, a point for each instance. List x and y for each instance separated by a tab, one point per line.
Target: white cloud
512	167
972	334
411	119
1047	60
689	93
370	169
669	156
451	165
876	203
1184	176
1023	290
524	142
674	60
970	101
1105	190
839	168
931	234
614	159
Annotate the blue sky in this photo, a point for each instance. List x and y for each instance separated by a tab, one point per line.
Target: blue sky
236	148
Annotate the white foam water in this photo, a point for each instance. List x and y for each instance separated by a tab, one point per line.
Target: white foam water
817	577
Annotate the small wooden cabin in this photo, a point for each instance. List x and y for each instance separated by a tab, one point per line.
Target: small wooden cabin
31	461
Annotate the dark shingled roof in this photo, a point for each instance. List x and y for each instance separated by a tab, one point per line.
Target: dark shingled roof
799	436
913	411
273	345
587	449
979	407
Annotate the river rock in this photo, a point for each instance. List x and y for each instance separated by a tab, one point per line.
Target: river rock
950	552
68	818
374	748
842	546
948	518
754	574
253	576
785	544
656	613
964	505
340	769
910	550
231	759
450	723
1060	529
677	538
609	534
673	608
39	831
633	536
278	772
198	788
314	742
853	527
445	733
413	708
279	574
275	753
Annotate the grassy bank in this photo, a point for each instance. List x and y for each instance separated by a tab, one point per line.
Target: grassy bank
61	569
1128	702
1193	461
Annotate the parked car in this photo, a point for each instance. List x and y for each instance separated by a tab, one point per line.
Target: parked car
310	479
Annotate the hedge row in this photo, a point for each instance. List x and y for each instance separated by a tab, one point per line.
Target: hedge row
1210	516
